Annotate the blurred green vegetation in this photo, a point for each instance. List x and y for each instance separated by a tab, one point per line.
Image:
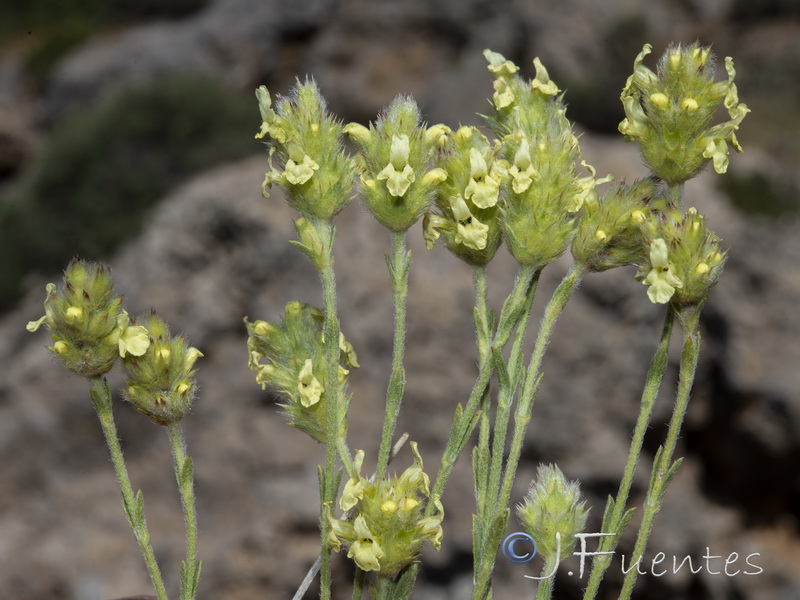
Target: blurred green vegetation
55	28
90	187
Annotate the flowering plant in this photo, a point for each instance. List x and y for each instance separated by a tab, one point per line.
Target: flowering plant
521	182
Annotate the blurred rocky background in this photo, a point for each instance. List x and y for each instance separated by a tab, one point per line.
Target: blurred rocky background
126	134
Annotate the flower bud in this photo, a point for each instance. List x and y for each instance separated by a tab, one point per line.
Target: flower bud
313	240
89	326
553	505
161	381
609	230
388	525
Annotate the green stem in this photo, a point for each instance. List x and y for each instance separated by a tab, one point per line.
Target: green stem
617	520
505	398
663	467
522	417
482	318
358	583
132	504
398	269
331	331
190	569
463	422
545	589
506	395
384	589
480	457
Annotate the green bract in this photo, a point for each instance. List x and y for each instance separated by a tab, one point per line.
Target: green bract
543	189
468	199
670	113
685	260
609	229
313	168
161	381
388	526
553	506
89	326
290	358
397	181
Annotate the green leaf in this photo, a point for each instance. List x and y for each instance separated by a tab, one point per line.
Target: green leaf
501	368
187	473
626	518
606	526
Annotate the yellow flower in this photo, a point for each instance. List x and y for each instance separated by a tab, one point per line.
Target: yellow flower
309	386
365	550
299	173
398	173
354	488
469	231
662	279
133	340
522	172
482	189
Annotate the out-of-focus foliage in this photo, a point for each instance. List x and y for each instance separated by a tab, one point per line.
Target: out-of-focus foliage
90	187
55	28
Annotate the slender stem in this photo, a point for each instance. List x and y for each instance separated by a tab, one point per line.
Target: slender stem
523	414
482	322
509	317
398	268
308	579
331	330
655	374
358	583
384	591
480	465
506	395
463	422
133	504
184	475
545	589
663	467
345	456
505	398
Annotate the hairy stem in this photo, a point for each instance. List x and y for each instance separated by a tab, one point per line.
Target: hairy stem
132	504
190	569
521	419
464	420
663	467
331	331
655	374
398	269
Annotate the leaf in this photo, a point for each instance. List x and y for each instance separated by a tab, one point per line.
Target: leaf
669	475
187	473
501	368
606	526
626	518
